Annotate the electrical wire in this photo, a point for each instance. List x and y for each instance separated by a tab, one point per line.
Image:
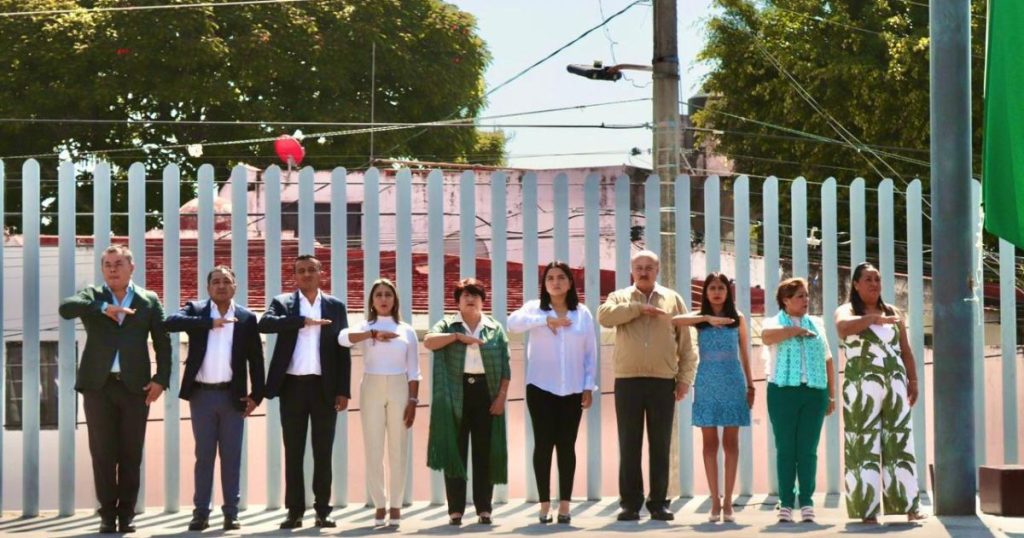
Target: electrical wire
226	3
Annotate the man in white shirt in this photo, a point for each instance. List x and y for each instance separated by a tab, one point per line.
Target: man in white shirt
223	344
311	373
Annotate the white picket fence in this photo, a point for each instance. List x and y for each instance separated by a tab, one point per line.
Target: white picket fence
773	190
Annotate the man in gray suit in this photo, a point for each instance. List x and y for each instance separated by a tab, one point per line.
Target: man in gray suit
115	380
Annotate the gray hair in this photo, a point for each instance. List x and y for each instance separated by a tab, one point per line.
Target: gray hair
119	250
645	254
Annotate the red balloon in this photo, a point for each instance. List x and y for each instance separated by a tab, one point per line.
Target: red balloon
289	149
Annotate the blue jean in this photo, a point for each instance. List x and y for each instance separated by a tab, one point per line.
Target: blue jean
217	424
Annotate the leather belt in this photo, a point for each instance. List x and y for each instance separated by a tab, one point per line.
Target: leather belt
212	386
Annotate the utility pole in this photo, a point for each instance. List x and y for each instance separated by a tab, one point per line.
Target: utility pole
950	85
666	148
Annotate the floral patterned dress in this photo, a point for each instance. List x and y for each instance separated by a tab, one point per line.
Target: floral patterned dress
881	470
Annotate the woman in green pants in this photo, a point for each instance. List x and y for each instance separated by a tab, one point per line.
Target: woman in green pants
798	367
879	389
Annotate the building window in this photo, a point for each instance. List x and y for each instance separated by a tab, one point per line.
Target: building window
322	221
48	369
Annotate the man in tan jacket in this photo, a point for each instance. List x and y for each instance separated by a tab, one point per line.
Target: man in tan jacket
655	363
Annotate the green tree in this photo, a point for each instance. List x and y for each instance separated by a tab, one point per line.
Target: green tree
269	63
865	62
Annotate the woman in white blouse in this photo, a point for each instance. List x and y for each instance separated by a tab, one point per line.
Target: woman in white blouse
561	359
391	378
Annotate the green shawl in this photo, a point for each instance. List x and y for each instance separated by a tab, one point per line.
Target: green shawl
446	398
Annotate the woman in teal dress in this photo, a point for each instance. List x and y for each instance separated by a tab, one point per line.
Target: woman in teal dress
723	391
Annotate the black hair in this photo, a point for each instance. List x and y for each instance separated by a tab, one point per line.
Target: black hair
572	299
728	309
855	300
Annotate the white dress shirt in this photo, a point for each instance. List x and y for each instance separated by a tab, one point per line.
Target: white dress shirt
563	363
474	361
306	356
216	367
400	355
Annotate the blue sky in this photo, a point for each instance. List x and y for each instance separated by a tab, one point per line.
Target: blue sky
520	32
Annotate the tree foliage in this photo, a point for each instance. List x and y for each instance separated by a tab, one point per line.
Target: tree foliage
864	61
267	63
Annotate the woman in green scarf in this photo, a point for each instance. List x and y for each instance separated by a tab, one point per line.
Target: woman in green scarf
470	384
799	370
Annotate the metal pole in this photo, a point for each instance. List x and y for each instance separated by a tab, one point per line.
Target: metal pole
950	83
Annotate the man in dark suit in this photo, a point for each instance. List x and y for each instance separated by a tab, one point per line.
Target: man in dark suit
114	379
311	373
223	342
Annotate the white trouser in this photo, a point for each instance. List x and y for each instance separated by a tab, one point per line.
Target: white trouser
382	407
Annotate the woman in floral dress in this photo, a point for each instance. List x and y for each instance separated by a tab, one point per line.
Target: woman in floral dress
879	389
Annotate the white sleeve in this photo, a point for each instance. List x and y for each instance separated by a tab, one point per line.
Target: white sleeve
528	317
343	336
412	357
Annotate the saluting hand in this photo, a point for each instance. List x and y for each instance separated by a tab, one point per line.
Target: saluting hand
316	322
467	339
555	323
384	336
651	310
153	391
220	322
113	310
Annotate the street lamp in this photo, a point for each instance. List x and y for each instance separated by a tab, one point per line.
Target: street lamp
599	71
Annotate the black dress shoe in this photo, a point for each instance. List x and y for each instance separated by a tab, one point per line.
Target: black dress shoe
564	519
231	523
292	522
628	515
545	519
662	515
484	520
126	525
108	525
326	522
199	523
455	520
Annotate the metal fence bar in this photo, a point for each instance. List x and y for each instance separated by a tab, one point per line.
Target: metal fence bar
467	225
403	277
561	217
712	225
436	291
830	300
172	300
915	276
530	292
858	222
67	399
272	276
3	340
30	340
499	275
240	265
770	200
592	297
623	224
137	244
101	217
205	227
980	447
339	285
684	408
307	243
741	233
798	223
886	240
1008	321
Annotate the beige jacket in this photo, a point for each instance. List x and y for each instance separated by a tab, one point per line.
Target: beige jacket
648	346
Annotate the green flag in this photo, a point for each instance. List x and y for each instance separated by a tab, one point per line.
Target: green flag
1003	179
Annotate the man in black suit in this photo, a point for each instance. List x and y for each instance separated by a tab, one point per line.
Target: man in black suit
114	379
311	373
223	342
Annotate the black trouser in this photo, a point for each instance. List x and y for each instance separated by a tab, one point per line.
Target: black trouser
556	421
639	400
303	401
476	424
116	419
